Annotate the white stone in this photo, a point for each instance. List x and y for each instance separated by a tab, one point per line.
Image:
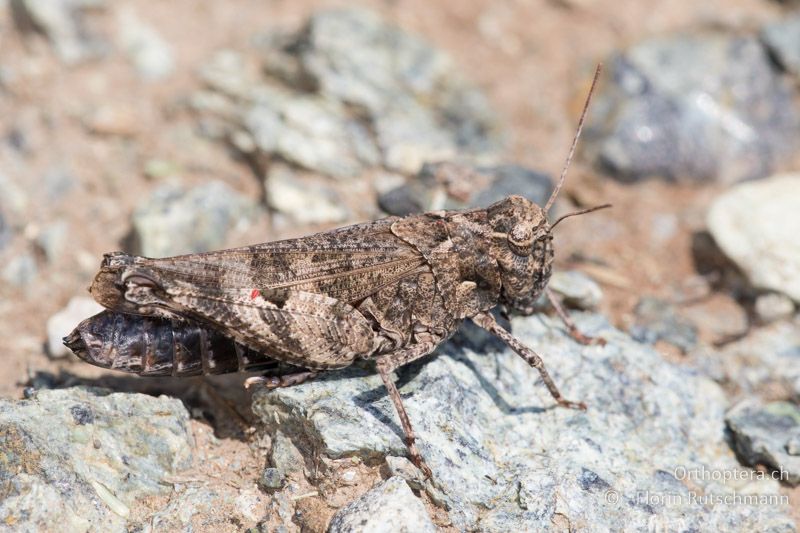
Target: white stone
62	323
757	225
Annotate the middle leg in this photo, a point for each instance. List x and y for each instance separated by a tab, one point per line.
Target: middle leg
386	364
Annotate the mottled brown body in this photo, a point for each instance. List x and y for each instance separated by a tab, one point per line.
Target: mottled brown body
390	290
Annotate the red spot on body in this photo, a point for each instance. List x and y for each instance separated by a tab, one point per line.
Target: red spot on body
255	294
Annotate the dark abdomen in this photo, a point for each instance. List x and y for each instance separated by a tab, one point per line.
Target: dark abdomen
151	346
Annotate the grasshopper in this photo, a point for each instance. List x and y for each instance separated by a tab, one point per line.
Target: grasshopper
391	290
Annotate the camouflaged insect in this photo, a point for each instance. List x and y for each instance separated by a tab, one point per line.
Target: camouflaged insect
390	290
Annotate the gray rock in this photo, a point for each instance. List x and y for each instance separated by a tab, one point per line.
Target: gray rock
782	37
756	225
345	93
402	467
81	459
285	457
305	200
64	23
271	479
62	323
21	270
411	90
504	460
657	320
773	306
692	108
458	186
175	220
576	289
52	239
311	132
764	433
390	507
766	361
206	508
147	50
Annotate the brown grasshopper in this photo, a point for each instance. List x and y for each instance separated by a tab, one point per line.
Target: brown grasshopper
391	290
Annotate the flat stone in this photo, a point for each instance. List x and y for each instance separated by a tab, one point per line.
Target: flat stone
756	225
390	507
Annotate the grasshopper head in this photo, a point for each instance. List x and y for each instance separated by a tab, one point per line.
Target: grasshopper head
523	243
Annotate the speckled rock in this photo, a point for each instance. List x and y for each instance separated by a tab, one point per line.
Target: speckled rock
448	185
343	94
756	225
79	459
390	507
175	220
765	434
658	320
692	107
504	459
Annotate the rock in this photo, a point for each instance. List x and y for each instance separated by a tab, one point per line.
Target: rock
346	93
285	456
147	50
773	306
449	185
764	433
311	132
765	362
52	239
271	479
402	467
657	320
421	105
65	24
81	459
782	37
718	315
206	508
504	459
390	507
62	323
698	107
175	220
21	270
577	289
756	225
304	200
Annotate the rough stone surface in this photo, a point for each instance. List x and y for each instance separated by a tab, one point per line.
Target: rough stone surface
782	37
345	93
62	323
576	289
767	361
80	459
174	220
504	459
304	201
765	434
458	186
693	108
390	507
756	225
657	320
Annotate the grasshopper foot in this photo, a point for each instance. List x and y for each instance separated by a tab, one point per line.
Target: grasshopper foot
571	405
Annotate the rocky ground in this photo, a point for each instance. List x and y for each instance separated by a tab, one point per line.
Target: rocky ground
165	128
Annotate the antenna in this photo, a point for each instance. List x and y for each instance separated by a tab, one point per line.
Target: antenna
553	196
581	212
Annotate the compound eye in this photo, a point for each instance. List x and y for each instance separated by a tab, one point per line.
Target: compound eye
520	240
